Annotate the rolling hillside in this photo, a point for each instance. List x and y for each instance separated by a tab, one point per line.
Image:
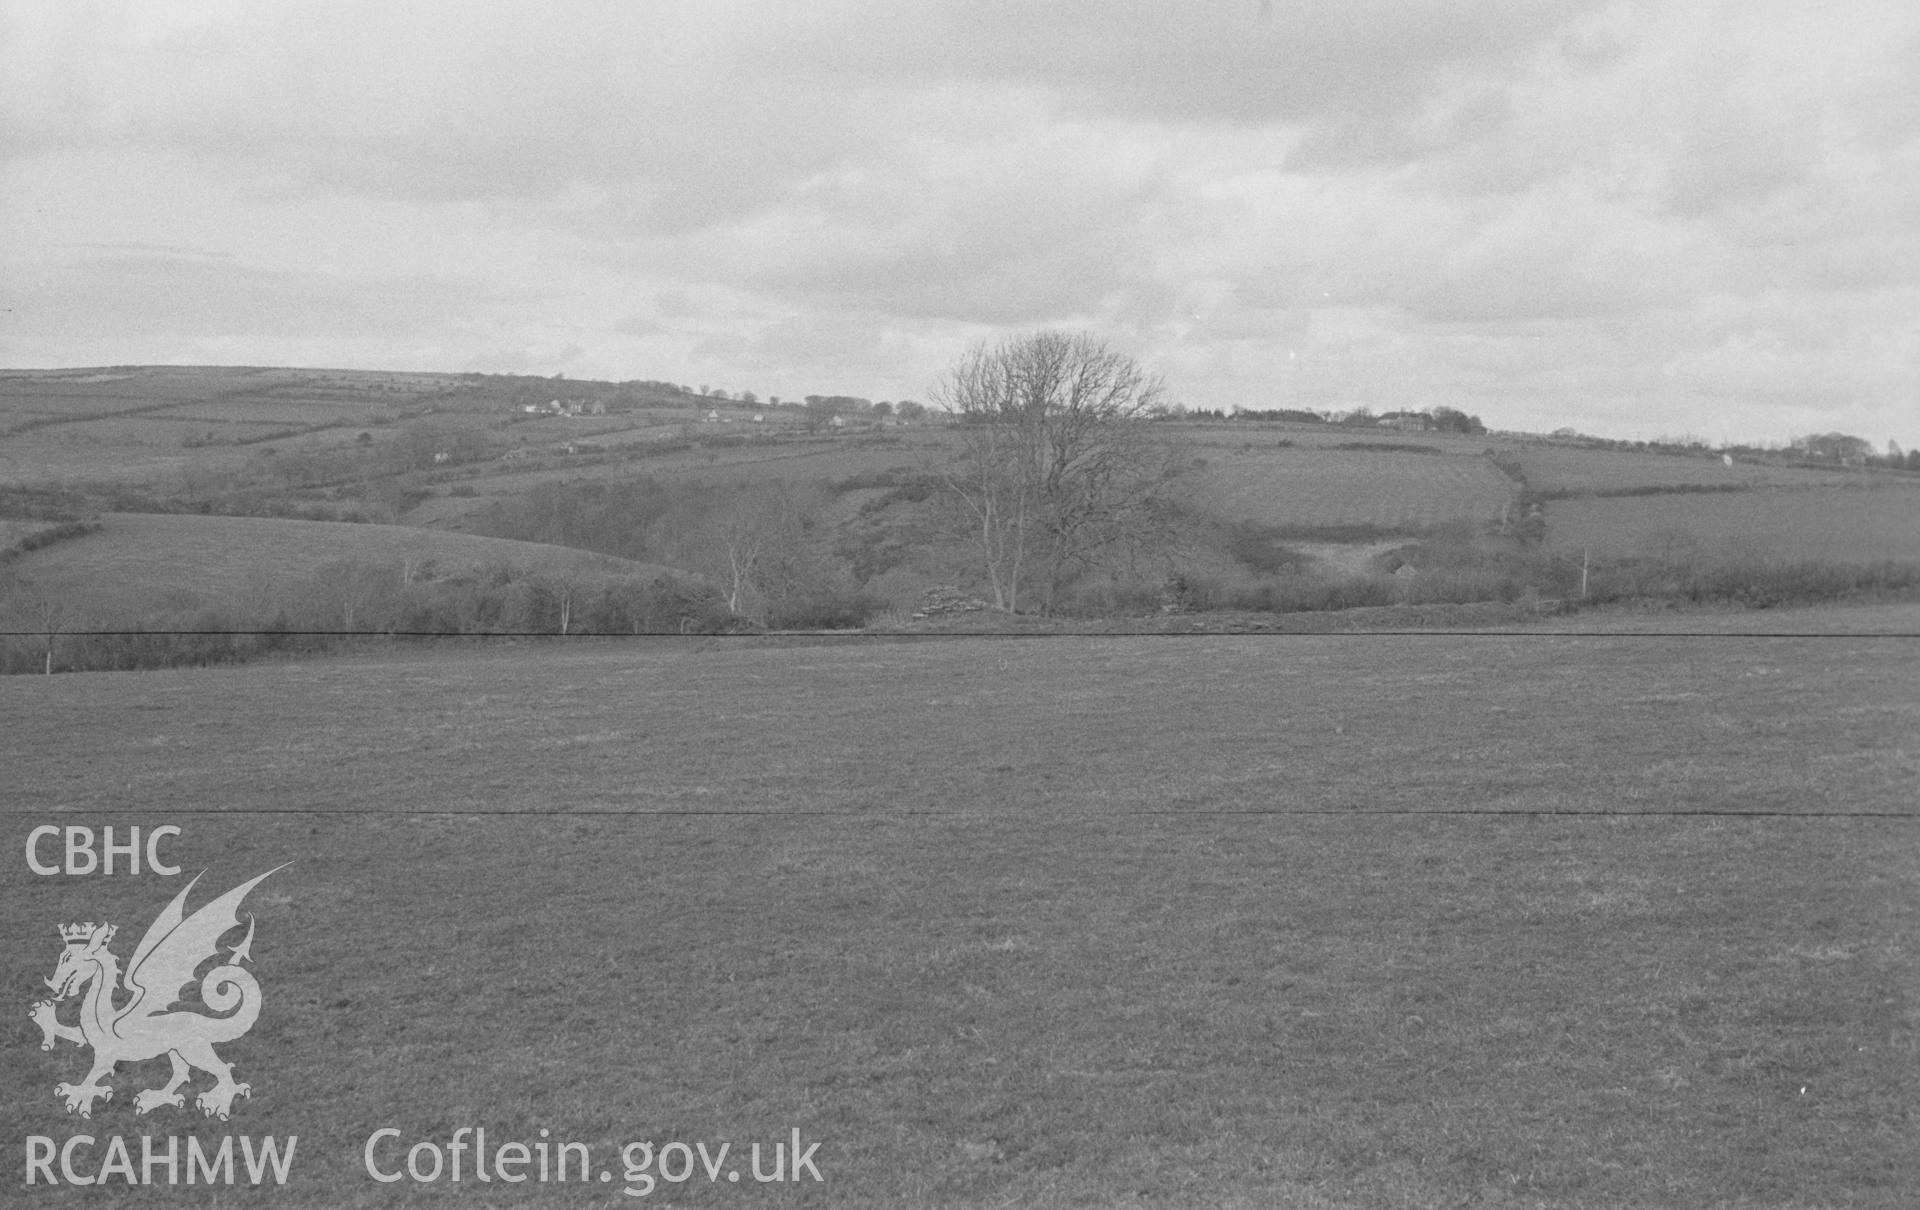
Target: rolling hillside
215	451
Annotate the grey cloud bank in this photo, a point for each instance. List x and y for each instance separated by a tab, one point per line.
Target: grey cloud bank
1634	218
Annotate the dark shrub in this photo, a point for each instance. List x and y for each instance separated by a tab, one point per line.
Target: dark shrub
1119	598
824	609
1257	548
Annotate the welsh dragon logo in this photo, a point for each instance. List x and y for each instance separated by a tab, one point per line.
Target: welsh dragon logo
175	945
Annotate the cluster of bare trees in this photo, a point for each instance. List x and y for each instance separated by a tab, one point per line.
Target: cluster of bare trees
762	544
1060	470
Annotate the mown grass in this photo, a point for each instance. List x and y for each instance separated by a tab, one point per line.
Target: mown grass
1317	921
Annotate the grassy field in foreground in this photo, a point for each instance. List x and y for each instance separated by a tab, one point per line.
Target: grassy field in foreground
1175	921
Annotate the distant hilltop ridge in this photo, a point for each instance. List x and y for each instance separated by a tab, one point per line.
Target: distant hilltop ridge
556	391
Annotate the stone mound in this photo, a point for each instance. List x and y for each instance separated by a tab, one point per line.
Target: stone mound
944	601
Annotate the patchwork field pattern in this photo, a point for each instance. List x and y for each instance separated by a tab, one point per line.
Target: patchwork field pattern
1175	922
131	425
1328	488
69	454
1838	524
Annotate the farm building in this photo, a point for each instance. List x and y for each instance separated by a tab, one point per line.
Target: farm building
1411	422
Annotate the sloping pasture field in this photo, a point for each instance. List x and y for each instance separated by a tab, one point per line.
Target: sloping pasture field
1831	524
28	395
1384	489
142	565
1427	920
1322	436
129	425
272	410
1576	470
81	398
779	456
70	454
784	458
114	389
822	460
164	430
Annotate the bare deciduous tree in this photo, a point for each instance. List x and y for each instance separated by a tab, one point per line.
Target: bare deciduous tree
350	595
35	610
1060	468
758	545
50	615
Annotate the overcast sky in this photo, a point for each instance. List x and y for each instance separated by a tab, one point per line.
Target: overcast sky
1635	218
